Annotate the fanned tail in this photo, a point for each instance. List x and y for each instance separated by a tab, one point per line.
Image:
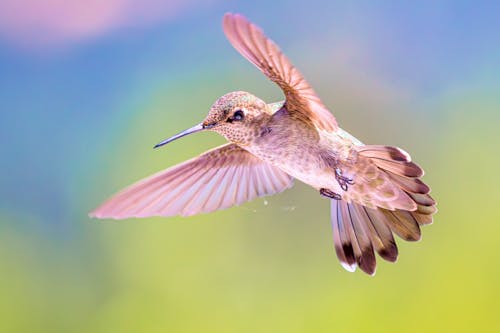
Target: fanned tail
359	231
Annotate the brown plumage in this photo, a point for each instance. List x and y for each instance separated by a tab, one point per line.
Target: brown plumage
375	190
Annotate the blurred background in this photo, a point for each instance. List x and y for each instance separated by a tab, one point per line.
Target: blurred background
88	87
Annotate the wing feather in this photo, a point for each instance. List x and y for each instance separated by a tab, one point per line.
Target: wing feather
252	43
217	179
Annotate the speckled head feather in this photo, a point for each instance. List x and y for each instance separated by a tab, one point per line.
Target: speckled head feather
236	116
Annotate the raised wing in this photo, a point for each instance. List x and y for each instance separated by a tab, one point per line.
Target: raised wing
301	100
218	179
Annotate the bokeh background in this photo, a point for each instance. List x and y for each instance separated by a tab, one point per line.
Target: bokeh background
87	88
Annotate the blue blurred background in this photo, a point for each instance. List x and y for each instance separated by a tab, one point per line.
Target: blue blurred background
87	88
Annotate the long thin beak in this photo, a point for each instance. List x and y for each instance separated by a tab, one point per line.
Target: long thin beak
191	130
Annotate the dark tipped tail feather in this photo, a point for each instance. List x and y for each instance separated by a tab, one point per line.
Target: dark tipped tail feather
359	231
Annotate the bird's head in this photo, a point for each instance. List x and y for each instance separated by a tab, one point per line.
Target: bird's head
236	116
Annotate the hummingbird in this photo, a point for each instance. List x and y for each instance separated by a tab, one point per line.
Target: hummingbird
375	191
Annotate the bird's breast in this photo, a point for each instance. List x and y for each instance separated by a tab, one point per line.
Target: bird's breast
298	153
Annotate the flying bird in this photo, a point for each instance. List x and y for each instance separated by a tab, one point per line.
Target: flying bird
375	191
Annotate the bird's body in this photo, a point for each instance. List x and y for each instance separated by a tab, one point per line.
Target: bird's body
299	150
375	190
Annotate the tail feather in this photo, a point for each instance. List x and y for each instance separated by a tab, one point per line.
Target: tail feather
404	224
380	234
408	169
359	230
352	243
422	219
422	199
413	185
392	159
426	210
385	153
403	173
366	257
341	239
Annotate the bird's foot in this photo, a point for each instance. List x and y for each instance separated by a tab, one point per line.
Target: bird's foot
330	194
344	182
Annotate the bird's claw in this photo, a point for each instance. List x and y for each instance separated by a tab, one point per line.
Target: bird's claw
330	194
343	181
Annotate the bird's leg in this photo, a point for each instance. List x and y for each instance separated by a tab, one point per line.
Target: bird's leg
343	181
330	194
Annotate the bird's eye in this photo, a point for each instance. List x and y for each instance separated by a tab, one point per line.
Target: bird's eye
238	115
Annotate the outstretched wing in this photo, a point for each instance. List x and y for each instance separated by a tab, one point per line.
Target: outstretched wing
220	178
301	100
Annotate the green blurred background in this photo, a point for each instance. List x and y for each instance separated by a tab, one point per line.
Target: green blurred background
86	89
